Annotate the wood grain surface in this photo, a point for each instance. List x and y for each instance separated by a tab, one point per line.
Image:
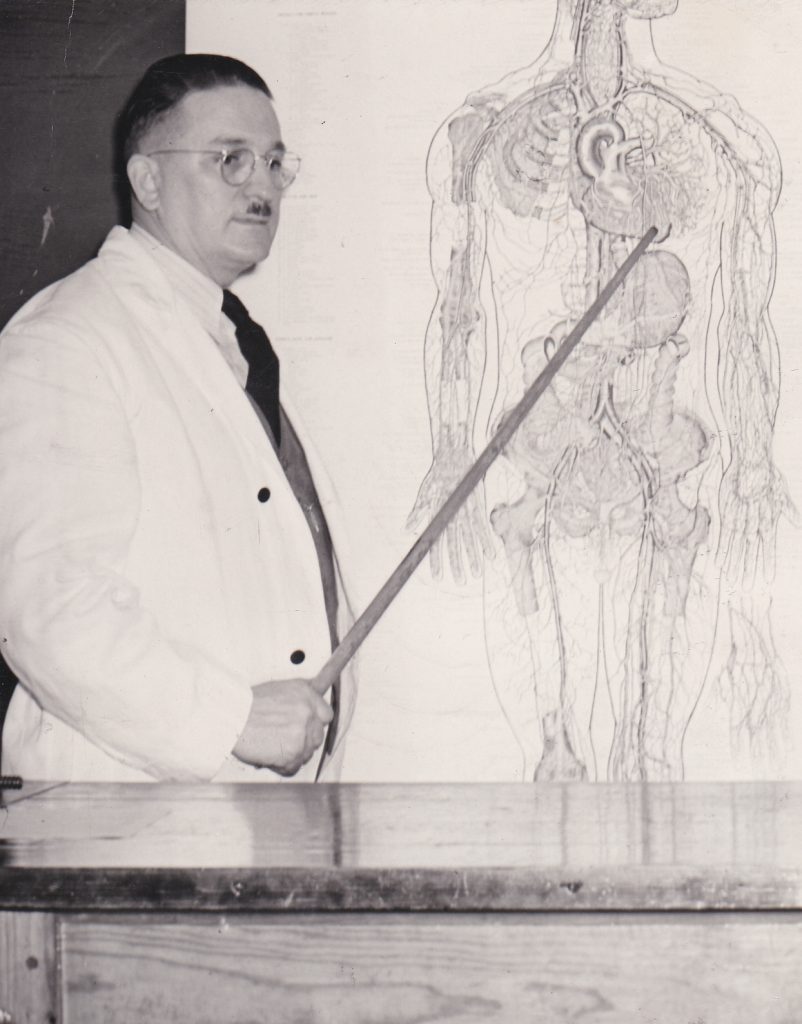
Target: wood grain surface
424	847
28	975
410	969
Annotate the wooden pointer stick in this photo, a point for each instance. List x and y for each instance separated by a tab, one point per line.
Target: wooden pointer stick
378	606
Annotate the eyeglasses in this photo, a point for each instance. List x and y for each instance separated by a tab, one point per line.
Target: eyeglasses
237	165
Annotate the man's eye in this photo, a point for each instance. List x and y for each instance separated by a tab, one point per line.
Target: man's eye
274	162
234	159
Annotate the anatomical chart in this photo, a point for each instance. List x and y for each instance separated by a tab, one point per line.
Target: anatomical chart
627	535
619	599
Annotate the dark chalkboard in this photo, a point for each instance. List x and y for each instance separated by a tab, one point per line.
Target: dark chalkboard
66	68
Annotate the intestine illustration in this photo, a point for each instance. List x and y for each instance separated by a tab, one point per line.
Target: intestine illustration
626	538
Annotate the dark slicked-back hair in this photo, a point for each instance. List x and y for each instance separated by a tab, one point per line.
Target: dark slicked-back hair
168	81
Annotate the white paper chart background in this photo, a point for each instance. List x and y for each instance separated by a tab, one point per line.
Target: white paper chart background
361	86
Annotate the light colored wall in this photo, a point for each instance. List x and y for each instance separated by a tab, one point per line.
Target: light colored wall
361	86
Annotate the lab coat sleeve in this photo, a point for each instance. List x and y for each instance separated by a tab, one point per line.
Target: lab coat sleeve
73	626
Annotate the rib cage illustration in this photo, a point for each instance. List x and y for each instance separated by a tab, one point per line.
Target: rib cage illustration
627	539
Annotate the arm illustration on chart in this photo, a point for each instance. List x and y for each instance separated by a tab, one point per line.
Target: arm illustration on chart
455	352
634	517
456	338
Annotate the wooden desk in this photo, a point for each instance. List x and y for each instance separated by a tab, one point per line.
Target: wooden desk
356	904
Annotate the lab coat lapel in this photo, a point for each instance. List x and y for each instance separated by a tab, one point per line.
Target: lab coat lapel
343	563
327	494
181	344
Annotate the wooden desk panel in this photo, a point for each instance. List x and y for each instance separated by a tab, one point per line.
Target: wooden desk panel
410	969
606	904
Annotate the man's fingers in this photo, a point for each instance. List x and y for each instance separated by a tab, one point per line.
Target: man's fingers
315	733
323	710
287	724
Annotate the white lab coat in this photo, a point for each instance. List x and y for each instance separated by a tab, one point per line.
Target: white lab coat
144	588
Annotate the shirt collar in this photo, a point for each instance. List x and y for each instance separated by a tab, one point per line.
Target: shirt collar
200	292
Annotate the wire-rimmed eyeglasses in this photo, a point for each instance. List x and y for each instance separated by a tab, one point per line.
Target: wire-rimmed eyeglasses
237	165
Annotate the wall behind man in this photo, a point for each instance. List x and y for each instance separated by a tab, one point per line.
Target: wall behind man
66	67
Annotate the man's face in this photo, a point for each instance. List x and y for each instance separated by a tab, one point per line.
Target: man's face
221	229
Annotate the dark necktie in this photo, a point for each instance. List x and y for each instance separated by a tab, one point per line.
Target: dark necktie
263	387
263	368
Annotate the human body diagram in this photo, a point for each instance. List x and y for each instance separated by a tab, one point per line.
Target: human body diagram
627	536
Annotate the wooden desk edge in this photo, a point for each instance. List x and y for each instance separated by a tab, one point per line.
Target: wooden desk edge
340	889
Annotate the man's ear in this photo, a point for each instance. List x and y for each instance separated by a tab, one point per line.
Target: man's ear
143	173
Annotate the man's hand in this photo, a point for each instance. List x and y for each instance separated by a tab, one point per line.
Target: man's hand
286	725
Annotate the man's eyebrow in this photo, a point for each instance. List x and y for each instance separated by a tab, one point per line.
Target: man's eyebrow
230	141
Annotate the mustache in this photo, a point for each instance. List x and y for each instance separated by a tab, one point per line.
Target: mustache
259	208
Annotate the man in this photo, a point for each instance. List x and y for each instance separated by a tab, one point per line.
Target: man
168	587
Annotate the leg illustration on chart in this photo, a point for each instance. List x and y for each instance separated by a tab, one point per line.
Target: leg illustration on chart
627	538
